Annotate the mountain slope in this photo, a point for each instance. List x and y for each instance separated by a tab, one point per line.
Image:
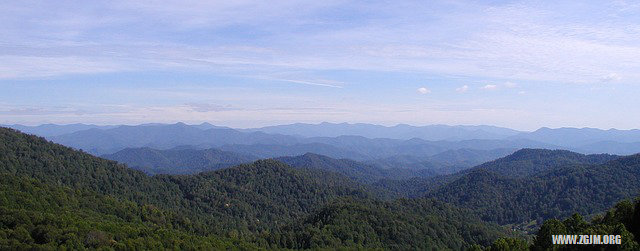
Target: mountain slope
34	215
178	161
419	224
531	162
581	188
35	157
238	197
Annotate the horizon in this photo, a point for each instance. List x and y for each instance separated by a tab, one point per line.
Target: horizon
511	64
319	123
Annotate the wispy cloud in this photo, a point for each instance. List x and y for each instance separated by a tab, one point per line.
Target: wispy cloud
462	89
518	41
423	90
489	87
324	83
206	107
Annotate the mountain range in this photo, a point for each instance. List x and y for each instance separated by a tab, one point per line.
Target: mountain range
401	131
55	196
178	160
360	141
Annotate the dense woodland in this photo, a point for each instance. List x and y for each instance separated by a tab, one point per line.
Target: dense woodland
54	196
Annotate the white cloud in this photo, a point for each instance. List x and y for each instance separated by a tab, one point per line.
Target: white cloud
510	85
490	87
463	88
424	90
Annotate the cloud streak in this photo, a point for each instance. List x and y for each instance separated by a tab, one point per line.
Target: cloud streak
462	89
323	83
489	87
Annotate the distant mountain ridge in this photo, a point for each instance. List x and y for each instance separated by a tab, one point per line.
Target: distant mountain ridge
576	137
263	145
50	130
178	161
377	142
400	131
162	137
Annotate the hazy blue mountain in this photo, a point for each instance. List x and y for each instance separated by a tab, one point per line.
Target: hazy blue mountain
415	152
163	136
357	171
403	161
207	126
576	137
178	160
166	136
446	162
468	157
272	151
613	147
372	148
401	131
372	141
105	141
383	148
49	130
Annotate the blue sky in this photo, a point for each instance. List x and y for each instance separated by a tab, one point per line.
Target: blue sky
518	64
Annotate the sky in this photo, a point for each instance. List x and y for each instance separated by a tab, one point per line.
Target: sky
517	64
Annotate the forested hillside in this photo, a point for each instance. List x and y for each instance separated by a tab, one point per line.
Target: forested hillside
404	224
55	196
623	219
35	215
532	162
531	185
559	192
